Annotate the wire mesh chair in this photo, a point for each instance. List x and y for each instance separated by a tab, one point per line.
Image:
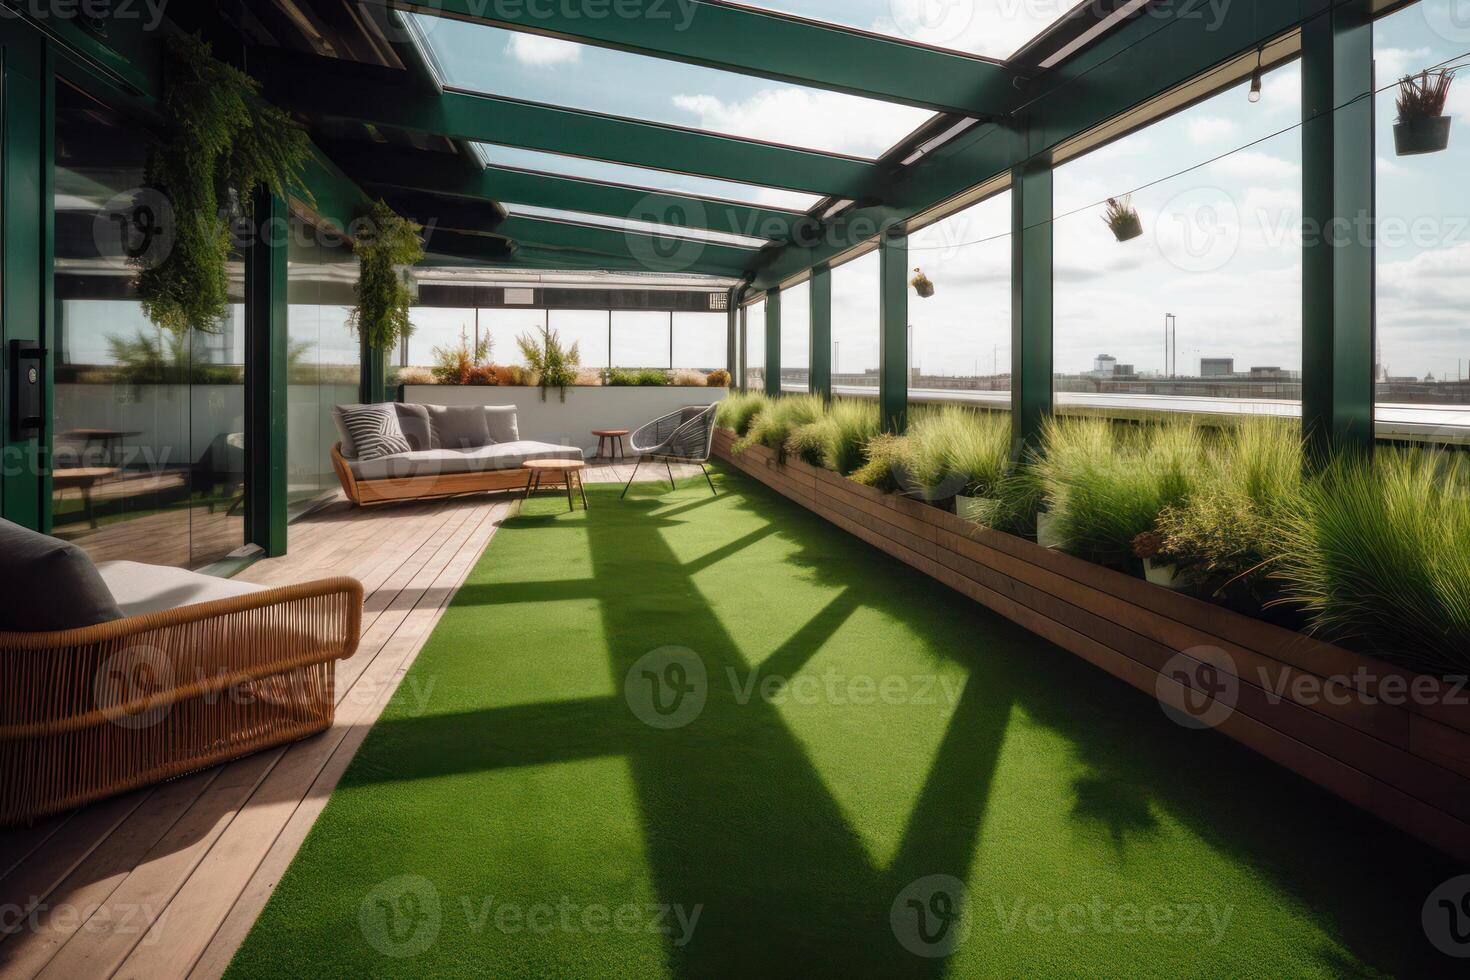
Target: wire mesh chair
685	436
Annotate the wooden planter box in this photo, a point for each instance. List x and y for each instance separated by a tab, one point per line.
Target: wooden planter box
1390	741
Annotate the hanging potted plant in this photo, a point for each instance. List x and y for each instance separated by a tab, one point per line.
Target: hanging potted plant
1422	126
922	284
1122	217
385	248
220	143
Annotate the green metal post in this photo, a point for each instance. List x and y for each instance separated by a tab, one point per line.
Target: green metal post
893	331
266	341
732	337
374	383
1338	216
821	353
1031	303
773	342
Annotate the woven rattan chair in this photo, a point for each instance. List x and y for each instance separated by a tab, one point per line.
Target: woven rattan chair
91	712
685	436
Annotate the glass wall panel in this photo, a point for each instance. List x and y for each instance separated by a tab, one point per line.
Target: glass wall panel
796	338
1423	282
1203	311
640	339
148	424
588	329
855	320
442	328
699	341
961	336
505	325
324	357
755	345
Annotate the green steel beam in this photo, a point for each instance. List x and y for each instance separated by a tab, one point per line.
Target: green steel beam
1139	61
647	252
1338	259
732	337
821	350
761	43
443	174
266	343
773	342
330	88
1031	303
893	331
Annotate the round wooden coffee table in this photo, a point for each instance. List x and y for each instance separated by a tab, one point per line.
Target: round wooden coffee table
614	440
557	471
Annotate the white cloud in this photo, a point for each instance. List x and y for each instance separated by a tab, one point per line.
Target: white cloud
1211	129
993	28
1395	63
1253	165
536	51
805	117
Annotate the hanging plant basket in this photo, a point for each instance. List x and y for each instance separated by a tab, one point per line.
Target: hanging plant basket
1422	126
922	284
1123	219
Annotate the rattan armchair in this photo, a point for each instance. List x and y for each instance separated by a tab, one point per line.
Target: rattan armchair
685	436
88	713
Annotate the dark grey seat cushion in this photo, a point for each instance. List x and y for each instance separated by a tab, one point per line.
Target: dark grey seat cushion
370	431
441	462
456	427
50	584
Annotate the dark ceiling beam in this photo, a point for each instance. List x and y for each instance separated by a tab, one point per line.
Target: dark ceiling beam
323	87
755	42
382	168
640	252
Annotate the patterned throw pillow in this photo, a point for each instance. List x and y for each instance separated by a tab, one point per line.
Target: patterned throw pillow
375	431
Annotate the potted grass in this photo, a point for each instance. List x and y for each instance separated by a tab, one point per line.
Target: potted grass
922	284
1122	218
1422	125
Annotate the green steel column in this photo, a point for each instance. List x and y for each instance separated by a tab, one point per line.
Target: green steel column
773	342
821	352
25	175
374	383
732	338
1338	215
266	340
893	331
1031	303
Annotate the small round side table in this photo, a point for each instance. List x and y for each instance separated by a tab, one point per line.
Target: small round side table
557	471
614	440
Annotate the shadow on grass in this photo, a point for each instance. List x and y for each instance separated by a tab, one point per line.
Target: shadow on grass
737	818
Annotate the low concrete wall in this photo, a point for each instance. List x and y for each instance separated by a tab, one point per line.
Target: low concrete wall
570	423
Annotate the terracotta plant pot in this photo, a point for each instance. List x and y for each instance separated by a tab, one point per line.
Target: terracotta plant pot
1419	136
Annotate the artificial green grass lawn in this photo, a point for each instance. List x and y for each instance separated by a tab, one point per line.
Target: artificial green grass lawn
510	815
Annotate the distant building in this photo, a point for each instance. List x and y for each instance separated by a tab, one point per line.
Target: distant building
1124	371
1269	373
1104	366
1217	367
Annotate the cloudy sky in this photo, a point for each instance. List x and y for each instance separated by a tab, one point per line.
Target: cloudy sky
1221	243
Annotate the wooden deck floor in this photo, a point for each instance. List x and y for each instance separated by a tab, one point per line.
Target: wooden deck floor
165	882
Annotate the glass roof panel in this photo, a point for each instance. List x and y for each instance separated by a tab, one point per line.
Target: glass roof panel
532	68
988	28
654	180
629	224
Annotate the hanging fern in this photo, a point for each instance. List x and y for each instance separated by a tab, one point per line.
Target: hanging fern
221	143
389	243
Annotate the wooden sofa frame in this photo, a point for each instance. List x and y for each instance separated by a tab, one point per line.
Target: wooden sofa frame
92	712
364	493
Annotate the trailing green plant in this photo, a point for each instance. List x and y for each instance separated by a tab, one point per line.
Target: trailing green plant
220	143
1105	487
1379	554
553	365
959	451
387	245
738	410
457	365
888	458
776	423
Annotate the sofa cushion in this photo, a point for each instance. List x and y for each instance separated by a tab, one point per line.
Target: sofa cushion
413	420
458	427
50	584
370	431
501	420
441	462
141	588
